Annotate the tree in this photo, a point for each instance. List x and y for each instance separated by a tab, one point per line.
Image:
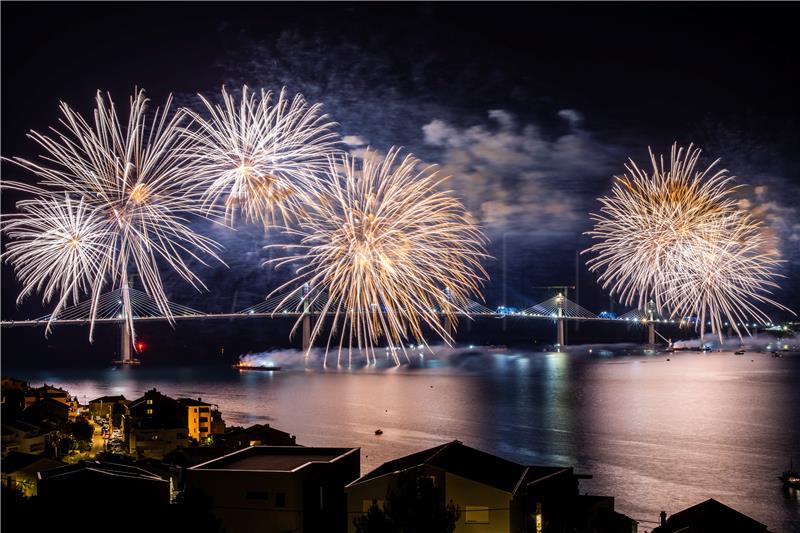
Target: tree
82	430
413	505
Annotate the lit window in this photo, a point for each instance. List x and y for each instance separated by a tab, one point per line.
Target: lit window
538	517
476	514
149	411
149	402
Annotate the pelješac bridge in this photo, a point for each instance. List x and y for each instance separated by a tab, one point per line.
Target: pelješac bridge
305	303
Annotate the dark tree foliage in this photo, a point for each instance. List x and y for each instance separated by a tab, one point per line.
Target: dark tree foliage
413	505
81	429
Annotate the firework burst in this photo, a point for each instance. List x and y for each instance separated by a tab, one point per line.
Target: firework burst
132	186
261	156
393	253
56	248
677	236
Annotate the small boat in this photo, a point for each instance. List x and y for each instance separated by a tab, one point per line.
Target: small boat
240	366
738	352
379	432
790	478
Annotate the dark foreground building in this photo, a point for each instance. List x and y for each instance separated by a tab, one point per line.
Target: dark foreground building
274	489
709	516
103	483
492	493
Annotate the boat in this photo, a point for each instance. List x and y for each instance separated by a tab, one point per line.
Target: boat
738	352
790	478
240	366
379	432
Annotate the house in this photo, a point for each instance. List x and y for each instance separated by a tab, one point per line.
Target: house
256	435
25	437
493	494
37	394
202	421
49	408
13	393
20	469
104	484
153	439
154	425
109	407
278	488
709	516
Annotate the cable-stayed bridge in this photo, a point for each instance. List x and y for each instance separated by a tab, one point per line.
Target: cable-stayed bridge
304	302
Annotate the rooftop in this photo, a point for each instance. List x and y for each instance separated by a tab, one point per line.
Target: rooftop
105	399
191	402
102	468
18	461
274	458
470	463
710	515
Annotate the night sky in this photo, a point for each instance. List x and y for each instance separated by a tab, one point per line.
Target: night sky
531	107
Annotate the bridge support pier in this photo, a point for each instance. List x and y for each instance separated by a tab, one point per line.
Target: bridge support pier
306	332
125	344
651	333
562	337
306	318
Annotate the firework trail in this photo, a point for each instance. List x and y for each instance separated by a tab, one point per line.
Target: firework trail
261	156
677	236
391	251
131	184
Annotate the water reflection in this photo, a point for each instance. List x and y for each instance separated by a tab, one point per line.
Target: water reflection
655	434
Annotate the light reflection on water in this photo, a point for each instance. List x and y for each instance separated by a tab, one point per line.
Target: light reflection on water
654	434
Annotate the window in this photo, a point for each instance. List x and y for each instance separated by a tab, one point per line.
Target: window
203	428
280	499
203	419
476	514
204	409
149	402
149	411
257	495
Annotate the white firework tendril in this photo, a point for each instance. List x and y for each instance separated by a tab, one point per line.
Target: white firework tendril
677	236
134	182
260	157
57	247
391	251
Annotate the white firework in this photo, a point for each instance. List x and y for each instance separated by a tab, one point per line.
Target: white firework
393	253
137	180
676	235
260	157
57	248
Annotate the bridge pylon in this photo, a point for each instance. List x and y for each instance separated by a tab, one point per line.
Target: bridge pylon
306	317
560	308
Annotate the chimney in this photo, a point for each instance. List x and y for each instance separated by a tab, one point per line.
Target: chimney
663	516
199	399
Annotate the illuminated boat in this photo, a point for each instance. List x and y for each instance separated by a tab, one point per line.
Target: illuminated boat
265	368
791	478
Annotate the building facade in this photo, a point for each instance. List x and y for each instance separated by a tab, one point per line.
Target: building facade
274	489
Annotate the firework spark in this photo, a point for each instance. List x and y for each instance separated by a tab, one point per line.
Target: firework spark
56	247
392	252
262	156
677	236
131	185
